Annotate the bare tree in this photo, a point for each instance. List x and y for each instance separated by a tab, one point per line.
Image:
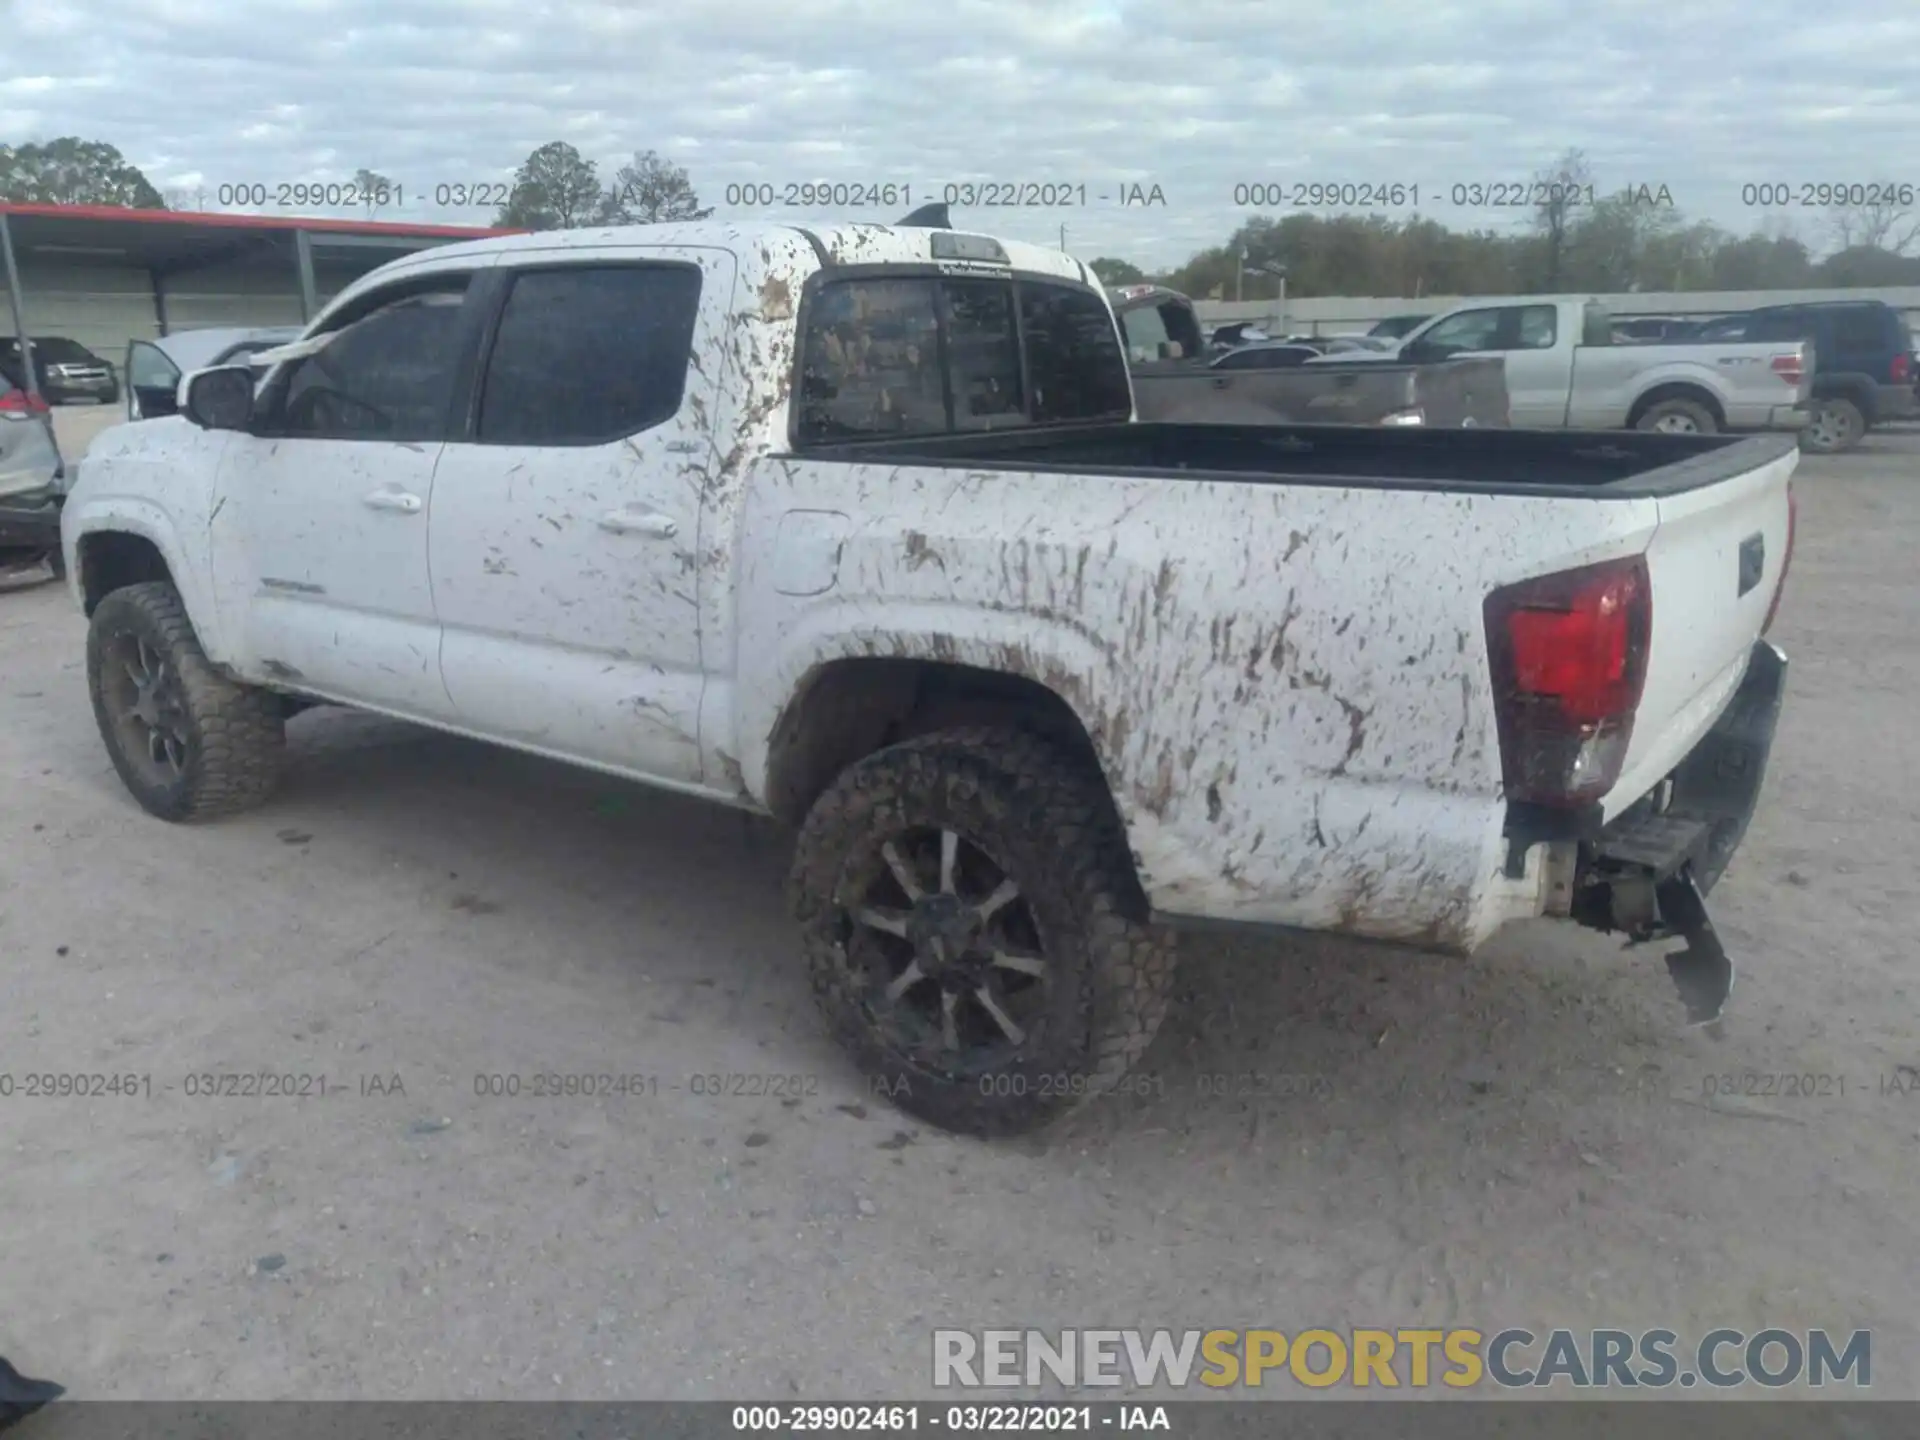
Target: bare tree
1563	186
1884	225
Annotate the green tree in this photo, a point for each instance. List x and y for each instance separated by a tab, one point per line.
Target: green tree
1116	272
555	188
648	190
72	171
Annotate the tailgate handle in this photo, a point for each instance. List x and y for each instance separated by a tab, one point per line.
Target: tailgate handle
1753	561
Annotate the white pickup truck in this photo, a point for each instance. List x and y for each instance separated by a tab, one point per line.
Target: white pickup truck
1565	372
855	526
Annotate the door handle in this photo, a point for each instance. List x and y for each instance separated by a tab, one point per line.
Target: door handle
393	500
628	522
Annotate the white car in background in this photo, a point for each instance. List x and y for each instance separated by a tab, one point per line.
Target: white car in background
154	367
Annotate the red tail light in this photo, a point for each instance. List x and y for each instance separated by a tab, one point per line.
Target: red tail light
1786	560
1569	657
1902	368
19	405
1789	368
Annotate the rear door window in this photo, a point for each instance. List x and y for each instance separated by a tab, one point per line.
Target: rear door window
589	354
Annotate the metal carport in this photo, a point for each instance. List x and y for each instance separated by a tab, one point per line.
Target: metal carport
103	276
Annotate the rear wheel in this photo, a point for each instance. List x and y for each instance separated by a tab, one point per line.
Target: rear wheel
1837	425
974	931
1679	417
189	743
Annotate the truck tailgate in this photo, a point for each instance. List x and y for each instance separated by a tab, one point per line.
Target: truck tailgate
1715	563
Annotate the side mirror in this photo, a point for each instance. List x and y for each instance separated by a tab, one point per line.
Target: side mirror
218	399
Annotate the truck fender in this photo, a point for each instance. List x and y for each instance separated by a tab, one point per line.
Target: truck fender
187	567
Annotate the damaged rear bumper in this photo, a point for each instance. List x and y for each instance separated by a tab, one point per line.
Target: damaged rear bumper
1648	871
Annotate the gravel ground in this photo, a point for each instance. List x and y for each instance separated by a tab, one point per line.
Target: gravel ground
1526	1138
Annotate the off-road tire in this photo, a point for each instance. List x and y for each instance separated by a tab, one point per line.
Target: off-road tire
1047	819
1690	411
234	738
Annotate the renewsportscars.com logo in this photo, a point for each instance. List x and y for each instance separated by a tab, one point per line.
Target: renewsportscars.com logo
1392	1359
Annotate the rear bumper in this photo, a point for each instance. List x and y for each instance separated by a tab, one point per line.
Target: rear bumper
1788	417
1696	818
31	521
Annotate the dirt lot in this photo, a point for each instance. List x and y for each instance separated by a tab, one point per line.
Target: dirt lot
1524	1139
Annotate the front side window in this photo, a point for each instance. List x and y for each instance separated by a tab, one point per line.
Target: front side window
925	356
386	374
589	354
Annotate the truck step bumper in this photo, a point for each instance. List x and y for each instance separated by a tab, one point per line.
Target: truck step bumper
1648	873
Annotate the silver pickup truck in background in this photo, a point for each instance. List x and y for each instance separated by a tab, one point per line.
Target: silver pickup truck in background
1174	379
1564	371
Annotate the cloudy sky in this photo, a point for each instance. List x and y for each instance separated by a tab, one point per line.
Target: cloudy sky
1195	96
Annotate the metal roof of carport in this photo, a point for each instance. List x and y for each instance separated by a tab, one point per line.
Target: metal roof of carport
167	243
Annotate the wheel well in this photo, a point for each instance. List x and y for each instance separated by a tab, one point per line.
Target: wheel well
1849	387
1677	391
848	709
112	560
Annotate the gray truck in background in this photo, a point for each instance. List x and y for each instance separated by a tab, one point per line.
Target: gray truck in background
1175	380
1564	371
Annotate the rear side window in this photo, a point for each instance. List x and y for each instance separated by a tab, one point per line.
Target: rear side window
1859	329
924	356
589	354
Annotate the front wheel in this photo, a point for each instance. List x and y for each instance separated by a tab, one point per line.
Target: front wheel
1837	425
188	742
974	931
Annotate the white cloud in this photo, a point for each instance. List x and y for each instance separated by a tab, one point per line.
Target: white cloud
1196	95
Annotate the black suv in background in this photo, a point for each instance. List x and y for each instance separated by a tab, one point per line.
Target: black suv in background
1863	363
65	368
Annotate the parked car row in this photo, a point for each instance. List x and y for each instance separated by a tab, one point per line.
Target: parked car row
1865	373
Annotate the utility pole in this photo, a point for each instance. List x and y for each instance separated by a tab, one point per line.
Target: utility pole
1240	275
1063	237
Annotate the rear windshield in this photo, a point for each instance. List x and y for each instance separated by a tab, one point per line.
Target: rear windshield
932	355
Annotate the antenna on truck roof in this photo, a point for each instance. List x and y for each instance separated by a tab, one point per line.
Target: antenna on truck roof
928	217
